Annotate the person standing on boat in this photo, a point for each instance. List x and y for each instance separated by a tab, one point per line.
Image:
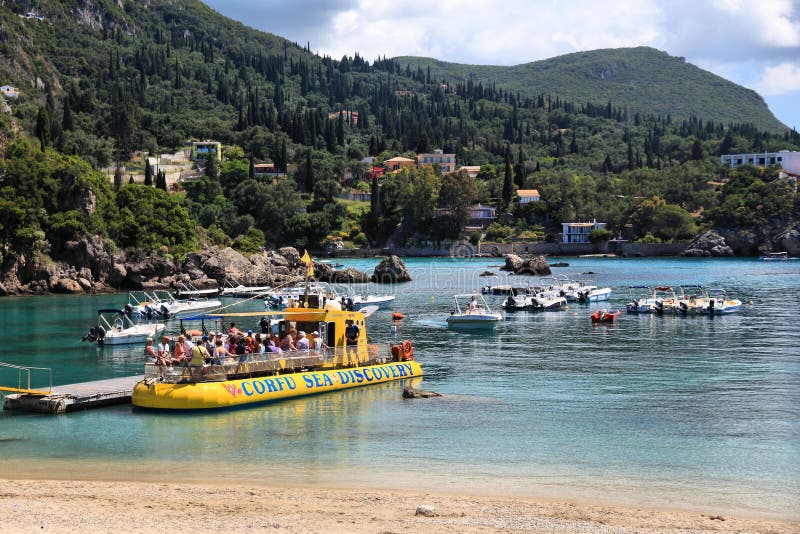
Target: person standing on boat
233	330
264	324
208	341
187	346
352	332
473	303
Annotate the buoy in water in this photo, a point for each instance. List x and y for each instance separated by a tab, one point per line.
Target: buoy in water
397	316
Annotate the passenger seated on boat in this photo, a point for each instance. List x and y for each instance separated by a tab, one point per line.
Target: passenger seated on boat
180	357
288	342
251	342
258	345
302	341
316	342
162	350
473	304
150	355
352	332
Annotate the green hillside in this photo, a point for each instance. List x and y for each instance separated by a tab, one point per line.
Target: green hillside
106	82
642	79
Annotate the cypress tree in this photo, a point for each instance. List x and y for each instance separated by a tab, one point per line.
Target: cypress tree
43	128
148	173
309	171
251	171
118	176
697	150
508	183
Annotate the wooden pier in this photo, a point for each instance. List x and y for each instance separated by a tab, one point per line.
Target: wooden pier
73	397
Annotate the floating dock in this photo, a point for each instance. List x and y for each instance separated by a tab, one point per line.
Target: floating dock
73	397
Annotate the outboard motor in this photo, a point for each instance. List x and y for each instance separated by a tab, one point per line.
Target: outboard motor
164	311
96	333
684	308
659	306
129	310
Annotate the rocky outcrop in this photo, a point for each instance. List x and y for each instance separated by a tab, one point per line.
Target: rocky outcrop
535	265
391	269
513	262
788	241
413	393
708	244
93	265
326	273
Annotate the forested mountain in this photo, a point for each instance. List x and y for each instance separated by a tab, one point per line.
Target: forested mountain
103	81
640	80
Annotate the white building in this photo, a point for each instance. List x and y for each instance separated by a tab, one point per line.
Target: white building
789	161
579	232
9	91
528	195
447	162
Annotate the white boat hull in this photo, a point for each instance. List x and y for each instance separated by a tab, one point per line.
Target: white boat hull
136	334
488	320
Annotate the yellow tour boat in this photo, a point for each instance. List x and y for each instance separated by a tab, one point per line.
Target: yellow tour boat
342	362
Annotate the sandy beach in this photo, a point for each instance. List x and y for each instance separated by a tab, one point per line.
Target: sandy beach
95	506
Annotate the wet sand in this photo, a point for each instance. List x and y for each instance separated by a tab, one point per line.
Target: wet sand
98	506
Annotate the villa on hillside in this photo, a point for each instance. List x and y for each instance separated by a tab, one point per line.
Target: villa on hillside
528	195
9	91
575	232
788	160
480	216
472	170
397	163
203	148
446	162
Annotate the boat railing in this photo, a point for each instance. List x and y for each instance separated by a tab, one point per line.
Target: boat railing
240	366
23	379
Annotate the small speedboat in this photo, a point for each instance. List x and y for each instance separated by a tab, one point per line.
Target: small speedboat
114	327
718	303
774	256
605	316
642	300
475	314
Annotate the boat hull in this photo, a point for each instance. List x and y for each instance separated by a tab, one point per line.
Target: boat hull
242	392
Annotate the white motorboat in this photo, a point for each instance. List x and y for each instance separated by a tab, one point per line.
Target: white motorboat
718	303
774	256
693	298
594	294
114	327
187	290
233	288
161	303
474	314
642	301
356	302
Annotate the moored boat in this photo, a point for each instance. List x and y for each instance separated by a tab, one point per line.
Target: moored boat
114	327
774	256
345	359
718	303
605	316
475	314
642	300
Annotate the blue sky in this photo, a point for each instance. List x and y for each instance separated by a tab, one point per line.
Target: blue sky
755	43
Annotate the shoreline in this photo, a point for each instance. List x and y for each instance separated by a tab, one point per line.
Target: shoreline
130	506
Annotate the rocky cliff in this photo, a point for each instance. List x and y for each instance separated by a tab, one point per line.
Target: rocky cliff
93	265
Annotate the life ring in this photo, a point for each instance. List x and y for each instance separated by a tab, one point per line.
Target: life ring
407	350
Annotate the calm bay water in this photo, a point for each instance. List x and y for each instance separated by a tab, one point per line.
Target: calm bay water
690	412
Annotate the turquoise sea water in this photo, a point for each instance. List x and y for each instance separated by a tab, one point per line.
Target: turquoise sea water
688	412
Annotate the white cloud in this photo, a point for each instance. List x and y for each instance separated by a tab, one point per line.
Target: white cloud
779	80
